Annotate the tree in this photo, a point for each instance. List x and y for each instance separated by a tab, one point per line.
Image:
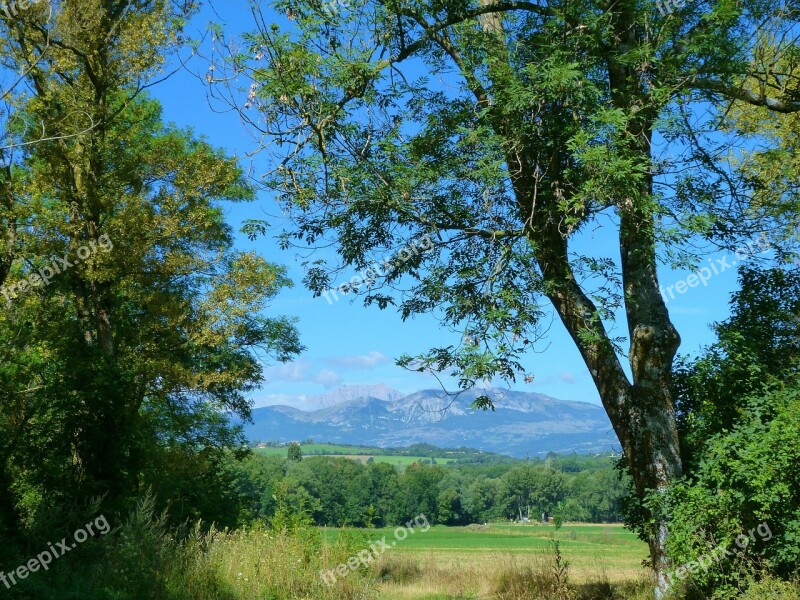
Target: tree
517	490
483	499
533	490
384	490
295	452
504	130
419	493
594	497
449	503
122	359
739	406
756	350
744	496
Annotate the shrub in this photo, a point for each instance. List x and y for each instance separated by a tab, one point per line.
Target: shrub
770	588
398	569
747	477
145	558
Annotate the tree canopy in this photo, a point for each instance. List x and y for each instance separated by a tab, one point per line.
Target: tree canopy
505	131
131	328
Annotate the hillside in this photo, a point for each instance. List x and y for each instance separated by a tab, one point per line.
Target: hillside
522	424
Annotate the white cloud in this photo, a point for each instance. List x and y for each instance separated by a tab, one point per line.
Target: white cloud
567	377
298	370
301	371
358	361
327	378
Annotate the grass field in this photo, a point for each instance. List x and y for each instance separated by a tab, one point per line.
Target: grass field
353	453
313	449
465	562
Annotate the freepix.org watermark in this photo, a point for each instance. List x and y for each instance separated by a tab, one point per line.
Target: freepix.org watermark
43	560
45	275
13	8
721	553
380	269
666	7
715	267
366	556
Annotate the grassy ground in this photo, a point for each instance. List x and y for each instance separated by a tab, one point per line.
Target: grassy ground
446	563
352	453
309	449
145	559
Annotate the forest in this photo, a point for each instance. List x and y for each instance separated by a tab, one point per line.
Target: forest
340	492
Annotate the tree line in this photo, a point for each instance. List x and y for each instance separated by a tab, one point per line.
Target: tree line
335	492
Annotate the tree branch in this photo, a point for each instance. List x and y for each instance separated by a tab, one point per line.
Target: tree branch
748	96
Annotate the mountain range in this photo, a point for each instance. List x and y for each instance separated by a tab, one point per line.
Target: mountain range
523	423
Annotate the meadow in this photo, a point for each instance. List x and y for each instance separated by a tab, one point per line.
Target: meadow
144	558
359	453
475	561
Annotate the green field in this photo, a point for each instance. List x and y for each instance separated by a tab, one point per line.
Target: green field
476	554
313	449
360	453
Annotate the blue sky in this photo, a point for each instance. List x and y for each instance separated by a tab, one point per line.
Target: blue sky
350	344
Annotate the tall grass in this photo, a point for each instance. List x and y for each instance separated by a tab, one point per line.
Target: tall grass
145	560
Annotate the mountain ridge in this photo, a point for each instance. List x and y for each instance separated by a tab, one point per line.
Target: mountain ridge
523	423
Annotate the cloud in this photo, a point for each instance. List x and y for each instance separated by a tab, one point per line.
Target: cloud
327	378
298	370
301	371
358	361
563	377
567	377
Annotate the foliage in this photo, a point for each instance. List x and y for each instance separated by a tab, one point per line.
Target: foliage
506	132
144	558
334	491
294	453
756	349
772	588
117	374
747	476
532	491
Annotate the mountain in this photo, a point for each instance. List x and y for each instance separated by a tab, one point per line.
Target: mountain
341	394
523	423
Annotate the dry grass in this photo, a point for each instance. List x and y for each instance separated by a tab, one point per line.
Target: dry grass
145	559
505	576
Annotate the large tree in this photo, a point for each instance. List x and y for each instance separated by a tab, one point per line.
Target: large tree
505	130
130	324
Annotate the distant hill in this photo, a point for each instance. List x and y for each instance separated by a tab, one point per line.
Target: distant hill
341	394
523	423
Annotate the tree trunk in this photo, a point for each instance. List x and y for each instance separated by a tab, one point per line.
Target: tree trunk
641	411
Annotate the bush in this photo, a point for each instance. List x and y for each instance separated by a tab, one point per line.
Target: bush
747	478
770	588
398	569
547	578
